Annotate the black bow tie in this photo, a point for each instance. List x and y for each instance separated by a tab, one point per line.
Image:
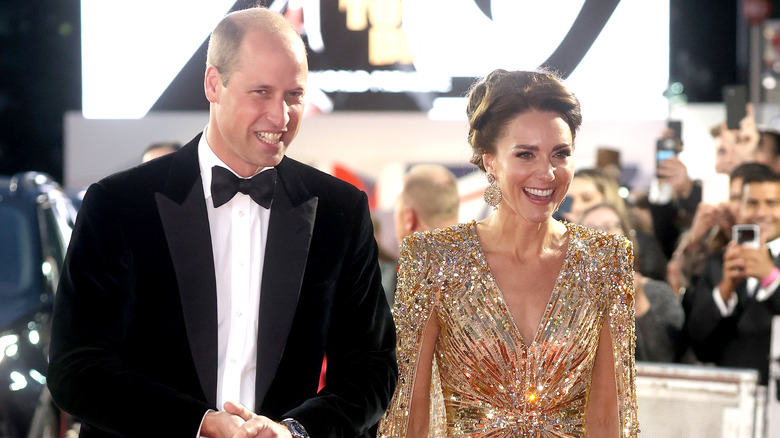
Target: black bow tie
225	184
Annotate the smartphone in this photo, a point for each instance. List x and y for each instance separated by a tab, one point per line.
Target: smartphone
676	127
735	99
665	148
746	234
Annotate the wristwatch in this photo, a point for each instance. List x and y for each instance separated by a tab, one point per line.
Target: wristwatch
296	429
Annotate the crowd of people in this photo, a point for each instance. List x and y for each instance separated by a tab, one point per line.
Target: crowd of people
680	245
701	297
239	293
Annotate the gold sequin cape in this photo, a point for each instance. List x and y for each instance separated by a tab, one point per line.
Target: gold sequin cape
490	383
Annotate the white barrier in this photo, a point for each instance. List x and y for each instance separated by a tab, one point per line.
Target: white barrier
773	397
691	401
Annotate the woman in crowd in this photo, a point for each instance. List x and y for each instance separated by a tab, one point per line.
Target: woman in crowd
523	323
592	186
659	313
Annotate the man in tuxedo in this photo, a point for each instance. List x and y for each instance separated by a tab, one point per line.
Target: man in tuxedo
730	315
196	300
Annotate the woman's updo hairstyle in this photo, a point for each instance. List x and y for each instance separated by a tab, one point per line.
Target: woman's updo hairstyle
503	95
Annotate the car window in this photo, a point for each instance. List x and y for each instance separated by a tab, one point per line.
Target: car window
16	254
19	268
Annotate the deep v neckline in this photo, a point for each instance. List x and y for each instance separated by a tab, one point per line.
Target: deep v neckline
548	307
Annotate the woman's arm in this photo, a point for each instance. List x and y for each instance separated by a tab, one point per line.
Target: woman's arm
602	416
419	417
612	409
417	333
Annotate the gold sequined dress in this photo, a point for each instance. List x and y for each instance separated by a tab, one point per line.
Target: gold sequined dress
490	382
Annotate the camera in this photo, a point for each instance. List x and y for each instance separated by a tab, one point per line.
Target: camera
746	234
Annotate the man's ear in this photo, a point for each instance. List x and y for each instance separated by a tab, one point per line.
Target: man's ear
409	219
212	83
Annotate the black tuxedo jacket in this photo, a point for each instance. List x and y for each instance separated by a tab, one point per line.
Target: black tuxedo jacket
134	348
741	340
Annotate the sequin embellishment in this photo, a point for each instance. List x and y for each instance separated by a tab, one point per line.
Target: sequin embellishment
489	383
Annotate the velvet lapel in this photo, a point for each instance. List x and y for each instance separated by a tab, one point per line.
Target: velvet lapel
289	234
182	209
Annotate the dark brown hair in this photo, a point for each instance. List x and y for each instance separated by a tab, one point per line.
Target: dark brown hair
502	95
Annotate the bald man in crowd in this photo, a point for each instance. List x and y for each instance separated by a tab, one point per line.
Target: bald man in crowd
429	200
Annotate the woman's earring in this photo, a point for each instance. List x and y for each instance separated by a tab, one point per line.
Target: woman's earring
492	194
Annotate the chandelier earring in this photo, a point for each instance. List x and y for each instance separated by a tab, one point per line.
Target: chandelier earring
492	194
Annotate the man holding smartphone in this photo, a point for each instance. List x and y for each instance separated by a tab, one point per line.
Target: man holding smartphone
729	322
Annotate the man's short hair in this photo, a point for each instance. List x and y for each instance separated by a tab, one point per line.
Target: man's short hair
755	173
432	191
226	39
172	145
773	136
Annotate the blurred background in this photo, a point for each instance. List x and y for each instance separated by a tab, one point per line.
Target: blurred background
87	85
705	45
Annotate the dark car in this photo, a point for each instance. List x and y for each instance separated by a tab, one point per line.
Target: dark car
36	219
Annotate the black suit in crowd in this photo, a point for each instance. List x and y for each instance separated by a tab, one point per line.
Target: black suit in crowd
741	340
134	348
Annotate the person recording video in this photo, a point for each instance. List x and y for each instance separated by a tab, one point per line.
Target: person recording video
730	314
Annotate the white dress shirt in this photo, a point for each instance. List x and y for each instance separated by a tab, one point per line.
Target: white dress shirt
753	286
238	237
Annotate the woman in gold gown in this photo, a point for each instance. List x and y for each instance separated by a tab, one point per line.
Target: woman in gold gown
518	325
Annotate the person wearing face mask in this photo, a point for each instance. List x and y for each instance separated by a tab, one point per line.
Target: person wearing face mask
528	320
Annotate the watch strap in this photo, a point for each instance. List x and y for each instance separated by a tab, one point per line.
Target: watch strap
296	429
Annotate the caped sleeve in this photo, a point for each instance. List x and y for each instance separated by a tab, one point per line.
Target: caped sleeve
414	307
622	328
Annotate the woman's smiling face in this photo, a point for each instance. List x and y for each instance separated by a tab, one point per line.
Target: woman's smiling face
532	165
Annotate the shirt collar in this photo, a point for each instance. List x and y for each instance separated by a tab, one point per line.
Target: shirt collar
208	159
774	247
